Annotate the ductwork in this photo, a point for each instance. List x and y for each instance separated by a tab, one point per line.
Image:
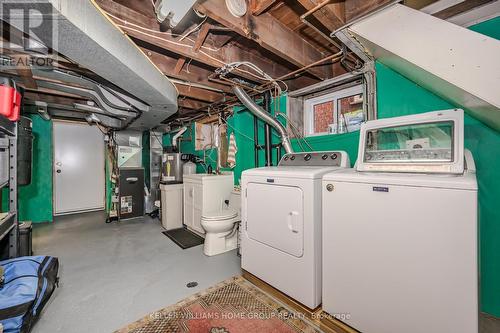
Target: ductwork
264	116
80	31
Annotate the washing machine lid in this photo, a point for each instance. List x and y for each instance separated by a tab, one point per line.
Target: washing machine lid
303	172
467	181
225	214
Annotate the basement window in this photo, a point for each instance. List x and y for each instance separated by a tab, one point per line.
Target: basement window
336	112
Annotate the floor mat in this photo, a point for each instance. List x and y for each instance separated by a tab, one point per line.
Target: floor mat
232	306
184	238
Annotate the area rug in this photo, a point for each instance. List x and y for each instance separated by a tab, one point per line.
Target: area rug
232	306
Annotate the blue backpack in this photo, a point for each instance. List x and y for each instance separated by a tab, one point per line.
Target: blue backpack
25	288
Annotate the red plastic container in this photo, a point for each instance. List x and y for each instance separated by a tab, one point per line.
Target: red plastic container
10	99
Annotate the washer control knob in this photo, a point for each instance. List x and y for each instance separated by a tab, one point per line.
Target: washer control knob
285	158
292	157
329	187
307	157
324	156
334	156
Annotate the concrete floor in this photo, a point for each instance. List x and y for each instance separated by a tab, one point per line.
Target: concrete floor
114	274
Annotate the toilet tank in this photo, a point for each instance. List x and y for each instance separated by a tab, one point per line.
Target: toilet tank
235	201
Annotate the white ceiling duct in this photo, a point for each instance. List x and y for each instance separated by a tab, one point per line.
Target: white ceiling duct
86	36
173	10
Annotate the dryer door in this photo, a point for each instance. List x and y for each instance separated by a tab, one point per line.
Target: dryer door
275	217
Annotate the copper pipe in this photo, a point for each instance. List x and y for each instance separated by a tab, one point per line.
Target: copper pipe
304	20
315	8
330	57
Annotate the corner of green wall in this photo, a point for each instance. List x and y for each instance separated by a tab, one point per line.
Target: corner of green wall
35	199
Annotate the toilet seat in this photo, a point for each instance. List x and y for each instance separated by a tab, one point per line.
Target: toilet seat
221	215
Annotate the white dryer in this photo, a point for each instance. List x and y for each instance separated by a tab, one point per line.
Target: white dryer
281	221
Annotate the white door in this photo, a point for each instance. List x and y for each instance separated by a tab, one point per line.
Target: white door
78	168
280	227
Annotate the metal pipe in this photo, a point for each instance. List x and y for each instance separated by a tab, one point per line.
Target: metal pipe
267	130
304	20
259	112
193	84
177	135
256	140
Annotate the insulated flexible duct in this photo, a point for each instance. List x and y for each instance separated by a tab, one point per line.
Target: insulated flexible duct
263	115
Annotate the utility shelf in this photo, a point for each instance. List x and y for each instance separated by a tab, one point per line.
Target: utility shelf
7	222
7	126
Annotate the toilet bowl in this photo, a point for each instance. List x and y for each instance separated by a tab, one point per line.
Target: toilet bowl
221	234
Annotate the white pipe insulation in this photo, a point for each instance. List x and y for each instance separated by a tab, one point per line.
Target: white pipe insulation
177	135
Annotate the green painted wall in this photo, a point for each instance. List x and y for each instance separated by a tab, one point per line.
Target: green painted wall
35	199
489	28
397	96
243	127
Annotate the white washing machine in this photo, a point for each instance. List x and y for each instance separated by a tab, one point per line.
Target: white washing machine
400	249
281	221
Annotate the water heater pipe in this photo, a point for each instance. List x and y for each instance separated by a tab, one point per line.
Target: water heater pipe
177	135
263	115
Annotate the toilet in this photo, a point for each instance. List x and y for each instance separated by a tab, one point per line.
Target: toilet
221	227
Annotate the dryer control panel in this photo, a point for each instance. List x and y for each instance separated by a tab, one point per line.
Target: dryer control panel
325	158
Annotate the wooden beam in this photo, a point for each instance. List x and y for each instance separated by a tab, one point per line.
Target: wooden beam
332	16
191	73
357	8
191	104
178	66
199	93
270	34
258	7
202	35
418	4
212	58
460	8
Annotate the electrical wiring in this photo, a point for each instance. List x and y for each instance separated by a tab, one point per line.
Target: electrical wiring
238	132
185	45
263	76
295	131
189	32
126	25
228	68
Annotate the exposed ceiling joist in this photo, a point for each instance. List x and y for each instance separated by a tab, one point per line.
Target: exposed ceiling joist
202	35
271	34
190	71
358	8
258	7
332	15
191	104
198	93
211	57
178	66
460	8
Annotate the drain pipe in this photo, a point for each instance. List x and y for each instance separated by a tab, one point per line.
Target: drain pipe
263	115
177	135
